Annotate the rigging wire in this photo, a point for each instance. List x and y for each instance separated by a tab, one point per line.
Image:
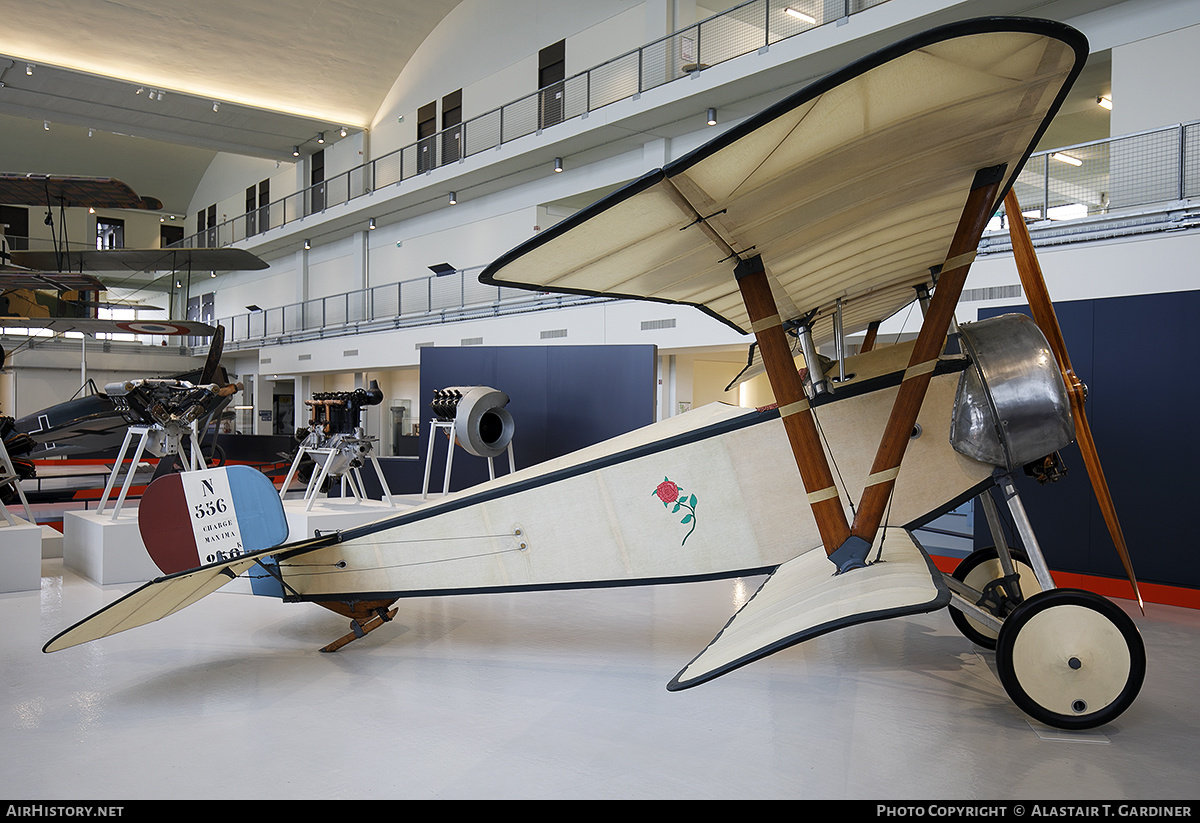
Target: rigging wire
325	568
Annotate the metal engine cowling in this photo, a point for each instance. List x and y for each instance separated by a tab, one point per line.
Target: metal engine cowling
1012	406
482	425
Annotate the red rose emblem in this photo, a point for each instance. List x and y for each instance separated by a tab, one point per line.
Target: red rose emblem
667	491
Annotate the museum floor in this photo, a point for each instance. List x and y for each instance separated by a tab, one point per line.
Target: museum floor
551	696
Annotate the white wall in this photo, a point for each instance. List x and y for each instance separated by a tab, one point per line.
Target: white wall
489	50
1154	81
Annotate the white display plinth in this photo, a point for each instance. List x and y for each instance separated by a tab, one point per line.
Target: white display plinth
52	542
20	556
107	550
305	518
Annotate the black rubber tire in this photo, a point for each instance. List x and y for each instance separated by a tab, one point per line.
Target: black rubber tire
1071	659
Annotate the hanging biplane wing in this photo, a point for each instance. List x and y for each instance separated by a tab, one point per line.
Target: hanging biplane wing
76	270
140	260
821	215
71	191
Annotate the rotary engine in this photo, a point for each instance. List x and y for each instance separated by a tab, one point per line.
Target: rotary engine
482	424
170	405
1012	409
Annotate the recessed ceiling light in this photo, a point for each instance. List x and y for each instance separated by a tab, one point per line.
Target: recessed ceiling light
799	15
1066	158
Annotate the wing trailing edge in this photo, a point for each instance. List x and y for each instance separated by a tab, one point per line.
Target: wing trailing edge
153	601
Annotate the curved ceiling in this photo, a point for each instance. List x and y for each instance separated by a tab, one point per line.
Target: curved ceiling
244	76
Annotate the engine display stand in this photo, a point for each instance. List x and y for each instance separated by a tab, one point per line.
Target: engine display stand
448	427
352	481
146	435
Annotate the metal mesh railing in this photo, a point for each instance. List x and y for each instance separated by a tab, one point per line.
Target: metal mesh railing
423	301
743	29
1124	172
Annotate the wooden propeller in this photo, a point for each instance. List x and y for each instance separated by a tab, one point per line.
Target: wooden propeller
1043	314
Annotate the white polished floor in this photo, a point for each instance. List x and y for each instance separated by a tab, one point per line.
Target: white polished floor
552	696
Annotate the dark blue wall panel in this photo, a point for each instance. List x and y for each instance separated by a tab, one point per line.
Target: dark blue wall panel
562	398
1138	357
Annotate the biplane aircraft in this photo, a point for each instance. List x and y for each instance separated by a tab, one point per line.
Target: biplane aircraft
822	215
69	276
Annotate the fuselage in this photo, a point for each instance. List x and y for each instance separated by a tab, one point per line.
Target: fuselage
710	493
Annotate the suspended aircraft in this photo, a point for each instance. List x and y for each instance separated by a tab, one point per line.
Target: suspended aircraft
70	276
819	217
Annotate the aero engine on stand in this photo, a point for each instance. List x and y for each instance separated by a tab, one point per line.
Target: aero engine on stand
475	418
338	442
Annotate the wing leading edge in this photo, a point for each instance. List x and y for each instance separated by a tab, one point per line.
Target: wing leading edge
849	189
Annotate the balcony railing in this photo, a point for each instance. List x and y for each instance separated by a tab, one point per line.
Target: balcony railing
1102	176
1122	173
421	302
740	30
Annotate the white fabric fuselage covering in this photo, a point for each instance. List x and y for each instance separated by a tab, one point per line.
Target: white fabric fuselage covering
596	517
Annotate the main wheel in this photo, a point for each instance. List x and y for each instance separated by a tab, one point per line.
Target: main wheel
1070	659
981	571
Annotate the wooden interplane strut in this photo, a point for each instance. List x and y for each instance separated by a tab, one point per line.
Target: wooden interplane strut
978	210
848	544
844	543
794	410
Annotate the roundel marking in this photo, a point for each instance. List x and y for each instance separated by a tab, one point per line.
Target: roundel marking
141	327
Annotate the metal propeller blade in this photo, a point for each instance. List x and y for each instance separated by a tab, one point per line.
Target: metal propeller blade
1046	319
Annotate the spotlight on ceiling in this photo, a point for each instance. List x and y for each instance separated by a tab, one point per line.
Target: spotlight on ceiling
320	137
295	151
1104	102
453	197
46	125
29	68
712	117
307	245
371	225
343	132
558	166
216	105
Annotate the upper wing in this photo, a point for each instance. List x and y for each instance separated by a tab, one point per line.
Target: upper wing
11	278
851	188
68	190
139	260
88	325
